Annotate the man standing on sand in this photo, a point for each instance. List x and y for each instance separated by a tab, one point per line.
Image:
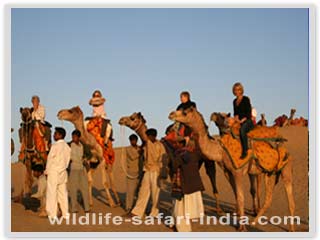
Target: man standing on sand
78	179
154	154
133	162
57	177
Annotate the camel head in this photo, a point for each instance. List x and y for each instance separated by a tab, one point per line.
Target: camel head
222	120
190	117
26	114
72	114
133	121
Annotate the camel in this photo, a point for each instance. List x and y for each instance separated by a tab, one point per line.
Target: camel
137	123
33	150
213	150
283	120
75	116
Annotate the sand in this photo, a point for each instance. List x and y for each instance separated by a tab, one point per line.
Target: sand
28	221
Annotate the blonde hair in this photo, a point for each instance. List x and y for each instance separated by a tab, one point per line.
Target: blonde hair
237	85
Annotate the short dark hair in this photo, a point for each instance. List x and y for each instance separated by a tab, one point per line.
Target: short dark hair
133	137
76	132
185	93
151	132
61	131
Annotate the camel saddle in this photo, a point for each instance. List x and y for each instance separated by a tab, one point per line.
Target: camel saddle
264	147
96	126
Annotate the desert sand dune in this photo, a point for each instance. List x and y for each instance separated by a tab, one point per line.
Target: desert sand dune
27	221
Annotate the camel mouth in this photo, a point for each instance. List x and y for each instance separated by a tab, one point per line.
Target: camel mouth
122	121
60	115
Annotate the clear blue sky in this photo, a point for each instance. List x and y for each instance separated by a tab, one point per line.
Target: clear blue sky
142	59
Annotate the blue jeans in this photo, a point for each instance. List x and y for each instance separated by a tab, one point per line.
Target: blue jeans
244	129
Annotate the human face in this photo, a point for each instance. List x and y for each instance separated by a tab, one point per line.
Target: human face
152	138
96	94
35	102
184	98
238	91
75	138
133	142
57	136
37	174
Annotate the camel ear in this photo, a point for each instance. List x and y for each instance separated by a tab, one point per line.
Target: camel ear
229	114
21	110
139	114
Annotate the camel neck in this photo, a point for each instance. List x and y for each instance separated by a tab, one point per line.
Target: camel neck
209	147
141	131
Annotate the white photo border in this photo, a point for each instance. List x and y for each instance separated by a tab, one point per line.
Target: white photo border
313	110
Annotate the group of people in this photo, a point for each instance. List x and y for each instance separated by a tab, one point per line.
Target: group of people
65	170
144	164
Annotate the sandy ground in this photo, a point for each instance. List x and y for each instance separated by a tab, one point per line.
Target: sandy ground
28	221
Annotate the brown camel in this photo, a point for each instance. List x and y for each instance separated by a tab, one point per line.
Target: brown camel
27	147
212	149
137	123
283	120
75	116
33	150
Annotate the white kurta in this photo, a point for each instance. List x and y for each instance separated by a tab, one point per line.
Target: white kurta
57	163
189	207
39	114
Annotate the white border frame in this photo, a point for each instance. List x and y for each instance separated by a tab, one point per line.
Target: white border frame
177	4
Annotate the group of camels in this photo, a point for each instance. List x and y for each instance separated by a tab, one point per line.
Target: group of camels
210	149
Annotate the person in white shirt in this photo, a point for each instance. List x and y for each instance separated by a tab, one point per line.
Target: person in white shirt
38	115
39	112
38	172
154	154
57	177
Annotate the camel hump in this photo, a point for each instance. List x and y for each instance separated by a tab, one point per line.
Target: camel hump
263	132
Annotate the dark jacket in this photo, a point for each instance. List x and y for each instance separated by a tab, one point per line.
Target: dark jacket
189	163
243	109
186	105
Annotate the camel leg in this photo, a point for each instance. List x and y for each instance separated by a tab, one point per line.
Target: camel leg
90	182
28	178
270	183
210	167
111	179
106	185
240	198
259	178
253	188
286	175
232	183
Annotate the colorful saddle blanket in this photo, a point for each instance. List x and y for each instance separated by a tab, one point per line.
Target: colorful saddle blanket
38	153
270	157
94	127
